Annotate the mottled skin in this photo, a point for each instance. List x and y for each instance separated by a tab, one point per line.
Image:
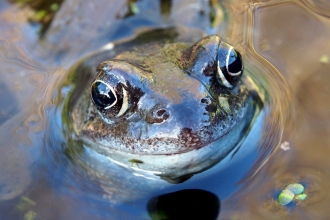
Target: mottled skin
179	117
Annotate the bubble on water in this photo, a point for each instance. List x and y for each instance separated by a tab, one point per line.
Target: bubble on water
32	120
33	123
17	87
20	130
36	79
49	106
264	45
324	59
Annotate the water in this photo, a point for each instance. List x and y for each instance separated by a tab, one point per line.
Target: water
284	39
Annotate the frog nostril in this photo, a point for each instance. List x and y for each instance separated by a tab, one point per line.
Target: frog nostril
203	100
161	112
157	115
206	101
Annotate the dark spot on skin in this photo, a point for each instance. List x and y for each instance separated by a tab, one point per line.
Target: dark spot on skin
190	139
210	69
205	101
211	108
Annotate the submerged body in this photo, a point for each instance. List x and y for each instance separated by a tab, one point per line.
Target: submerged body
171	108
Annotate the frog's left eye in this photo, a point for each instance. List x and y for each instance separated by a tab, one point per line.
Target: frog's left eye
230	65
103	95
113	100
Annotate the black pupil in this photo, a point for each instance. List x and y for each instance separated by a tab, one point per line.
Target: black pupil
102	95
234	62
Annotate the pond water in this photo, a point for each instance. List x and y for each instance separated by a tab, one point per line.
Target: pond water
286	53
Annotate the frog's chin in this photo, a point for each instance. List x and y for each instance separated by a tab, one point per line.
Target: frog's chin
179	167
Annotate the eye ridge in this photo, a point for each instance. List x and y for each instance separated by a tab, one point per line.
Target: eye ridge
124	105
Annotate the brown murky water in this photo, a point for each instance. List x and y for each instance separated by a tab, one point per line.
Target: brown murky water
287	40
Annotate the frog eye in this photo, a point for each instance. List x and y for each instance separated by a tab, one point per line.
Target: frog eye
103	95
230	65
108	98
234	63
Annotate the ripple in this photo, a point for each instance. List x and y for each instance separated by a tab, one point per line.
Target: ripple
316	189
321	7
36	79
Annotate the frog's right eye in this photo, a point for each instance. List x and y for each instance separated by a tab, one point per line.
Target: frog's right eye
230	65
113	100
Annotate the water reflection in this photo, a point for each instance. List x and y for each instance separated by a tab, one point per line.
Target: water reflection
320	7
285	45
185	204
43	12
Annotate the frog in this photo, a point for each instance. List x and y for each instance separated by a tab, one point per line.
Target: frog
169	106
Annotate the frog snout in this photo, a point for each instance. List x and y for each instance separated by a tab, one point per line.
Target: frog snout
157	114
